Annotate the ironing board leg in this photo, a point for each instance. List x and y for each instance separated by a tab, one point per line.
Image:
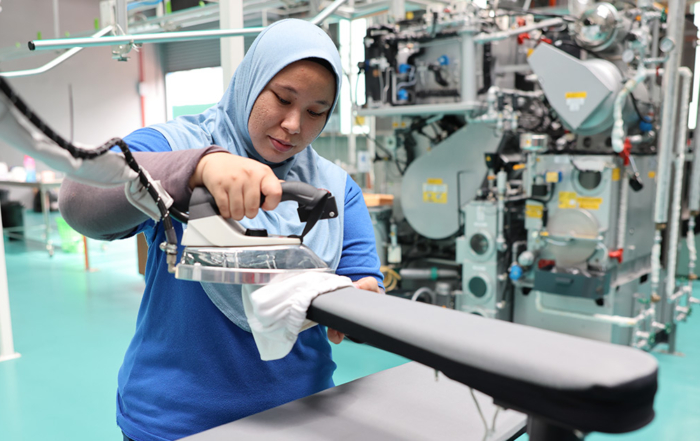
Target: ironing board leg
540	430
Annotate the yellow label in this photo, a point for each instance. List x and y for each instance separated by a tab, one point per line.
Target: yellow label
588	203
530	51
395	125
403	124
409	15
517	167
652	175
552	177
360	120
533	211
434	191
567	199
433	197
570	95
616	174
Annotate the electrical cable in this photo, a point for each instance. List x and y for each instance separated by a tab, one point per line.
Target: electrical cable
636	109
88	154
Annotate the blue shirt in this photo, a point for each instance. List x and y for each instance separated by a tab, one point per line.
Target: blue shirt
188	368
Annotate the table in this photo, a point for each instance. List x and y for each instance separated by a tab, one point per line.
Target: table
43	188
402	403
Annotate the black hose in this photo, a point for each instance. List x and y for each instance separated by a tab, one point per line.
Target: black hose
88	154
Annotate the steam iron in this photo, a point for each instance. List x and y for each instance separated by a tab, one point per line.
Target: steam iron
219	250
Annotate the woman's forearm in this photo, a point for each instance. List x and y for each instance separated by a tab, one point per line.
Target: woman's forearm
105	213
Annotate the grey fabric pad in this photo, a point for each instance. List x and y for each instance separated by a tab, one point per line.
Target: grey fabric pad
576	383
398	404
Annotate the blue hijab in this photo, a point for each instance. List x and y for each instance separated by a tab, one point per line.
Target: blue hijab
226	125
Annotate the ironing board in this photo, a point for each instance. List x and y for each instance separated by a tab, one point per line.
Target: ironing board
568	386
405	402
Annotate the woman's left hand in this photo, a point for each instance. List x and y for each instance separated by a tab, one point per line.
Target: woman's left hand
366	283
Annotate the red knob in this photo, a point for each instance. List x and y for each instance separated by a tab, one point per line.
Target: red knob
625	153
545	263
617	254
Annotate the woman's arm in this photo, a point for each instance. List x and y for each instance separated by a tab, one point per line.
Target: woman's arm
106	214
359	259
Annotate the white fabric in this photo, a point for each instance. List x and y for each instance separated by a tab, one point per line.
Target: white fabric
138	196
107	170
277	312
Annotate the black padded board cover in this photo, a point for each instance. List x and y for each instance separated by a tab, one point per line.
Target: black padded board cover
574	382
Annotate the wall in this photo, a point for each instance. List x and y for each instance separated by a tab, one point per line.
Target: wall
105	92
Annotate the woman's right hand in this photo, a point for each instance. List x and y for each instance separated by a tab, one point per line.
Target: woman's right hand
236	184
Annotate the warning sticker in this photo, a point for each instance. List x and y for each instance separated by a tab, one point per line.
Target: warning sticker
588	203
575	100
616	174
534	211
567	199
435	191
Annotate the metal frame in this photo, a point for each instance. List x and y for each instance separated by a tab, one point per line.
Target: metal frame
7	346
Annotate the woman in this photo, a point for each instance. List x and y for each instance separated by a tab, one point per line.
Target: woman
192	363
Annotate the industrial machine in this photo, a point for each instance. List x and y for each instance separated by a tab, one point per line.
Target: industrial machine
508	191
537	152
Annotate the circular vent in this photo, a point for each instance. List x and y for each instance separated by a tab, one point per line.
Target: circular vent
478	286
479	244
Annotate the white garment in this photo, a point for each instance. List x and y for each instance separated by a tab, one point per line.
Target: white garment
277	312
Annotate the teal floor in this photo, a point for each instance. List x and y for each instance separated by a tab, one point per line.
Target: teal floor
72	328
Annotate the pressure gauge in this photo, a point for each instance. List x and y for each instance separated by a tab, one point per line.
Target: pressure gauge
597	28
666	45
628	56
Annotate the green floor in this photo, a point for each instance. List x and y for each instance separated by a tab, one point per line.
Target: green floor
72	328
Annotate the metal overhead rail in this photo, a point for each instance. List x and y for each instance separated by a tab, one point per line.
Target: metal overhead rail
55	62
164	37
327	11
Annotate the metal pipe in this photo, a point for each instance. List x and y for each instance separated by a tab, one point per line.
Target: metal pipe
694	184
622	213
656	264
55	62
7	347
625	322
676	26
469	90
56	23
164	37
692	252
494	36
122	17
618	131
327	11
678	294
501	183
423	109
679	169
427	273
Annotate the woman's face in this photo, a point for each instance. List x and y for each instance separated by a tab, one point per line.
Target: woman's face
291	110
